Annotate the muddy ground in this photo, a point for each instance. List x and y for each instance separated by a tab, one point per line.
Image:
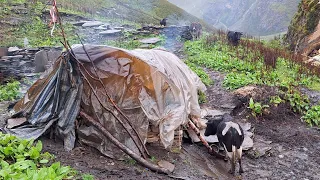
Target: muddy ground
294	150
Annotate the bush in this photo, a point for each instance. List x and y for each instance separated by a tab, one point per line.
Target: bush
312	116
10	91
22	159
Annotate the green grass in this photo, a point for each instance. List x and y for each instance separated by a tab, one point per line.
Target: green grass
201	73
244	67
247	66
33	27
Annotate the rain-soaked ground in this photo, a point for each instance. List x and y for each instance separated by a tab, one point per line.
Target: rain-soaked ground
292	151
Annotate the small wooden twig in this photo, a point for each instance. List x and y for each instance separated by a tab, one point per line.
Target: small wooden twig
204	142
125	149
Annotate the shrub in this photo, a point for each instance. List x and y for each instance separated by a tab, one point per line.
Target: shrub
22	159
312	116
10	91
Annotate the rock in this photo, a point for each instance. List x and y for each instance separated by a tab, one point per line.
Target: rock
300	155
247	143
103	27
92	23
119	28
3	51
284	163
144	46
247	91
166	165
150	40
42	59
281	156
260	147
316	58
211	138
80	23
33	49
245	126
15	122
228	106
13	49
110	32
12	57
211	112
263	173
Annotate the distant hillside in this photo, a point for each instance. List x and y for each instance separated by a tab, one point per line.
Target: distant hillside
139	11
304	31
25	18
256	17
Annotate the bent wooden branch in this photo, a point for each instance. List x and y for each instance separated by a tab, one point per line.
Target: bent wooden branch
144	151
125	149
204	142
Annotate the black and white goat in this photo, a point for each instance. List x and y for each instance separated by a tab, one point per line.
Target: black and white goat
230	136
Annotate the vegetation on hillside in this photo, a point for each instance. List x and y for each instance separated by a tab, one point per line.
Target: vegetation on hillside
303	23
257	63
32	24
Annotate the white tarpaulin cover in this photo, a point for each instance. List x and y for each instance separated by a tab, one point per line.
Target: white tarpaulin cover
152	87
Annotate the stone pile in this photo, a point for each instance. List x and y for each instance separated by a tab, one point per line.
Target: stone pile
17	63
182	32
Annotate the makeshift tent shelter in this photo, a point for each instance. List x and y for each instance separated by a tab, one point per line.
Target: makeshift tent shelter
152	88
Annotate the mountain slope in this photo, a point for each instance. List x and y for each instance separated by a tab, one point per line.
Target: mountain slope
256	17
24	18
304	31
138	11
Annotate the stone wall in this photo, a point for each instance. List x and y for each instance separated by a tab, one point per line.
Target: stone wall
18	63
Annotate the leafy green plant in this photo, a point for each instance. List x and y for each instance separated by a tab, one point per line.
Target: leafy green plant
276	100
298	102
153	159
202	98
22	159
10	91
201	73
312	116
256	107
87	177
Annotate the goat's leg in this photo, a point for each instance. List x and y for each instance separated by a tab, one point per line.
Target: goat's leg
240	168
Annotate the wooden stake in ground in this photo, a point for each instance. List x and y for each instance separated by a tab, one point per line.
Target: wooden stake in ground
125	149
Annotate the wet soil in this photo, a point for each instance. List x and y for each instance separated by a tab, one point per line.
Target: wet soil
294	150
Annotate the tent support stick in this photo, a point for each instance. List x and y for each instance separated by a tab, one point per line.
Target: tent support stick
204	142
114	104
114	115
125	149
